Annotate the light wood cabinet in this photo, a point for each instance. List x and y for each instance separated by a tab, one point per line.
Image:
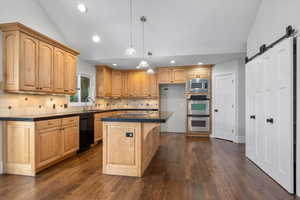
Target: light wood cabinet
124	84
70	71
200	72
128	148
98	127
48	146
103	81
33	62
45	69
154	88
165	75
59	71
30	147
116	83
29	62
145	83
178	75
171	75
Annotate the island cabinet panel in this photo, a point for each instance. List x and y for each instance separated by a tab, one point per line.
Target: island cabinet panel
32	62
29	63
30	147
59	71
128	148
45	69
116	83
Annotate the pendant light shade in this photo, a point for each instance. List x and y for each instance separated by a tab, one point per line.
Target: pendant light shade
150	71
130	51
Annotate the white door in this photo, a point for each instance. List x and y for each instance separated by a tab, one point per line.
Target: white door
224	106
269	96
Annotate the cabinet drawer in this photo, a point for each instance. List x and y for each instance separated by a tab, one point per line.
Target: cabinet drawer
70	121
52	123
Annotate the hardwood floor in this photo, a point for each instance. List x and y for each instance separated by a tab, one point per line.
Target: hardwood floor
183	168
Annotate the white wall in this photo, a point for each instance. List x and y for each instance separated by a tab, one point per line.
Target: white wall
238	68
31	14
272	19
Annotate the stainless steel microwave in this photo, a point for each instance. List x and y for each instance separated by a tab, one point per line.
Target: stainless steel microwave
198	85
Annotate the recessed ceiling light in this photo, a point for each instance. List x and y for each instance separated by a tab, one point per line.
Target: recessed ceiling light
96	38
114	64
200	63
172	61
82	8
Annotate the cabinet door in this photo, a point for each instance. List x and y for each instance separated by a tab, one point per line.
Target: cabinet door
70	74
29	63
70	139
145	84
107	82
45	71
178	75
49	146
153	86
116	83
124	84
164	75
134	84
59	70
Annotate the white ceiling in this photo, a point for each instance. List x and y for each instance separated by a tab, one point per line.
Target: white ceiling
188	31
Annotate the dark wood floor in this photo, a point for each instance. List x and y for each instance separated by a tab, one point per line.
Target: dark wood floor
184	168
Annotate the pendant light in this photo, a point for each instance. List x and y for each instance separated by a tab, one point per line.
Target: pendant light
143	63
130	51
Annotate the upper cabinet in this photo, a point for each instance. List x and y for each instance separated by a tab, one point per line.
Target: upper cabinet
125	83
35	63
103	81
168	75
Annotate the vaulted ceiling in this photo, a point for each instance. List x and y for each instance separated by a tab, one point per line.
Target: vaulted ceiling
188	31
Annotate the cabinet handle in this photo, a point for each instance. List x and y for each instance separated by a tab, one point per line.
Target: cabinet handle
216	110
270	120
252	116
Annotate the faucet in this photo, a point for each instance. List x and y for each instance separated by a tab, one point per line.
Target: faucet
88	99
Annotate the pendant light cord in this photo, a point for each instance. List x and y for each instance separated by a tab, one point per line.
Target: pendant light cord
131	45
143	40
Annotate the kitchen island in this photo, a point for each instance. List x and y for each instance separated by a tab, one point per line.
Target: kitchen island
130	141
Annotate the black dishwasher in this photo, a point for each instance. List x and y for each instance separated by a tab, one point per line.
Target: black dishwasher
86	126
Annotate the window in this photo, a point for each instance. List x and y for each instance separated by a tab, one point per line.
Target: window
83	91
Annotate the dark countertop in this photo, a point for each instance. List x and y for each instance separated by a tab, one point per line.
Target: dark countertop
40	117
151	117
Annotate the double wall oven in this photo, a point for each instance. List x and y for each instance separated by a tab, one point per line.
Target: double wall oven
198	113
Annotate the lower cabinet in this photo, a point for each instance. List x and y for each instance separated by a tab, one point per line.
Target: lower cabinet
30	147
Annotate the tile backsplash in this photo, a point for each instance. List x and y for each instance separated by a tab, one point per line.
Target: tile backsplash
27	104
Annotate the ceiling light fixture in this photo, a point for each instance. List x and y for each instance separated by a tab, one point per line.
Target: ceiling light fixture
150	71
143	63
130	51
200	63
82	8
96	38
172	61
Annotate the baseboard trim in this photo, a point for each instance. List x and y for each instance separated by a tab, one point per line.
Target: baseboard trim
239	139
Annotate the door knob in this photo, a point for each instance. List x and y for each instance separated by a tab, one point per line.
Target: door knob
216	110
252	116
270	120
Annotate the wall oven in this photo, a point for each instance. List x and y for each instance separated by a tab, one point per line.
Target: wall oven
196	85
198	105
198	124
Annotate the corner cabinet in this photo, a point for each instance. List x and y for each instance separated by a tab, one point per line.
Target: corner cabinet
35	63
30	147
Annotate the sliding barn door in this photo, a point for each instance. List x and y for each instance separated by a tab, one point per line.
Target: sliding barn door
269	113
